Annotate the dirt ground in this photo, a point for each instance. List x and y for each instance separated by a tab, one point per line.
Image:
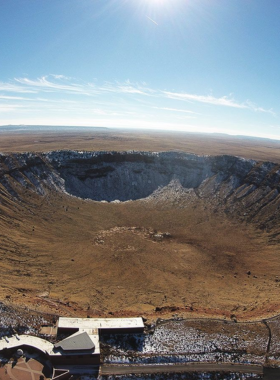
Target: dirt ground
67	256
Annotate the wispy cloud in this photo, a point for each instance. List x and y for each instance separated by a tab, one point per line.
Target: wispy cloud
255	108
127	88
209	99
149	18
9	107
63	86
59	76
175	110
11	87
224	101
7	97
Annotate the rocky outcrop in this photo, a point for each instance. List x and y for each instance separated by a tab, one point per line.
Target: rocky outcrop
27	171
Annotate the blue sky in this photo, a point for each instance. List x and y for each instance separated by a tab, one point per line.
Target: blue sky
193	65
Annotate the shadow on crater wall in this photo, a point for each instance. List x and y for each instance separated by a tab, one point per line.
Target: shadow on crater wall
129	176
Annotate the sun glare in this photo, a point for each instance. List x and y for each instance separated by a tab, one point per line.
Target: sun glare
157	2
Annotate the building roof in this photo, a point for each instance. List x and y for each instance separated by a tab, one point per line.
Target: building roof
100	323
26	340
76	342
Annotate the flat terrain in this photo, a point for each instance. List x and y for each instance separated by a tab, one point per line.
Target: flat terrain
123	140
68	256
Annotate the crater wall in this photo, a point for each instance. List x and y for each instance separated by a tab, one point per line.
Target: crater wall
134	175
128	176
244	188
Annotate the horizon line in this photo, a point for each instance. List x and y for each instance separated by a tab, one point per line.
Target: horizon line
272	138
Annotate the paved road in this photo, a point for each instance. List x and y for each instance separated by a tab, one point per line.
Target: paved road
124	369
